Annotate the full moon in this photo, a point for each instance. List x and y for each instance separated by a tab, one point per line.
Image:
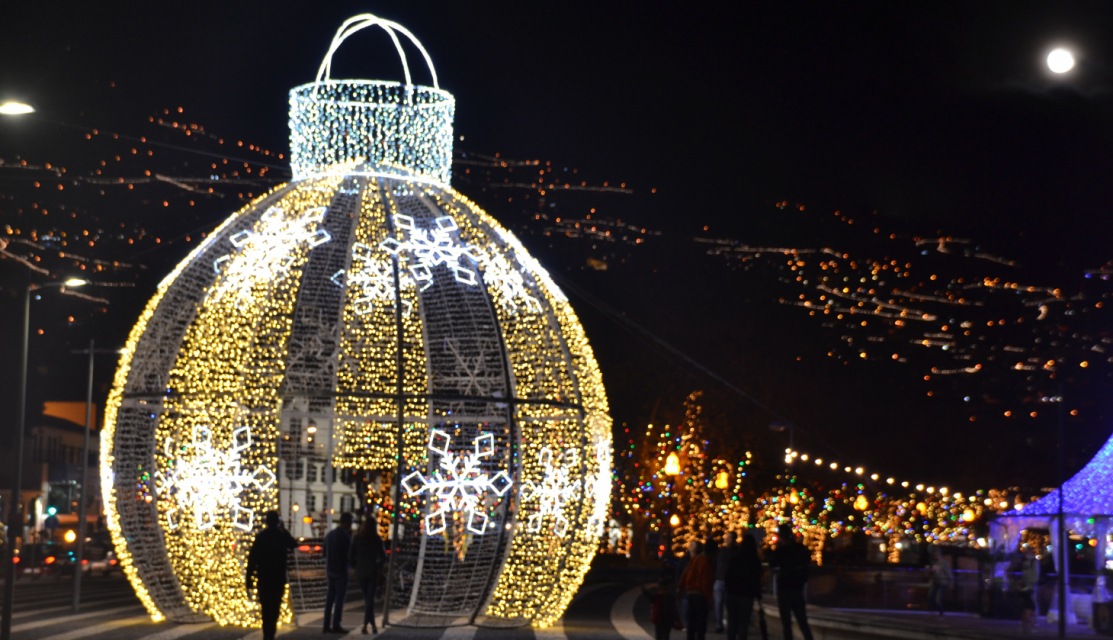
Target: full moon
1060	61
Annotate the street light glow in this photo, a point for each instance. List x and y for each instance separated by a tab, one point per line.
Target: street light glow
1060	61
75	282
672	464
15	109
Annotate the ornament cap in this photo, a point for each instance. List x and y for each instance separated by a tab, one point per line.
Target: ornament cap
393	128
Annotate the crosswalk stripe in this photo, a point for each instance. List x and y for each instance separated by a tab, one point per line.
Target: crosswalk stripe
258	633
21	602
27	626
177	631
622	616
85	605
553	632
306	619
466	632
96	629
67	596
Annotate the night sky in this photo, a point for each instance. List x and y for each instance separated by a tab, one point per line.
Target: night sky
926	120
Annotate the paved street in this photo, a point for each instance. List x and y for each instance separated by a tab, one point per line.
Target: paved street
110	610
611	610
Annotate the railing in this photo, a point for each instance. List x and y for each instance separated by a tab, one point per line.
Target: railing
906	589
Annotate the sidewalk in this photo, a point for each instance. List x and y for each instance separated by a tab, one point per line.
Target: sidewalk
840	624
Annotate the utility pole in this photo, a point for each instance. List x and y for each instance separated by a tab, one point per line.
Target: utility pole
82	503
1063	538
15	521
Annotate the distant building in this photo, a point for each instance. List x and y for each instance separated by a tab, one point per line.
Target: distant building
52	456
303	490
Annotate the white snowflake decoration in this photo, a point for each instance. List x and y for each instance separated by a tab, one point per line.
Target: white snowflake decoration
555	491
374	279
600	487
424	249
265	253
508	283
210	482
459	484
419	251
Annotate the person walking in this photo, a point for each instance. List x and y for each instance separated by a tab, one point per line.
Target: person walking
721	561
681	567
266	570
367	556
338	544
940	580
662	609
792	561
697	583
1029	578
743	586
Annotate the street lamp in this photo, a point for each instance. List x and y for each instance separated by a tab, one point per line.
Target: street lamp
15	109
21	426
672	469
672	465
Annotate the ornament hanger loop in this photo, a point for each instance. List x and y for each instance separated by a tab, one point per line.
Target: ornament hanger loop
362	21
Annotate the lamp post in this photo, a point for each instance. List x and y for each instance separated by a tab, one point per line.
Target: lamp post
781	427
81	524
672	469
16	517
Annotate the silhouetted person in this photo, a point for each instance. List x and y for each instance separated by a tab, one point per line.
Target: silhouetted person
338	545
722	559
266	570
1029	578
662	609
368	556
940	579
743	586
792	561
696	585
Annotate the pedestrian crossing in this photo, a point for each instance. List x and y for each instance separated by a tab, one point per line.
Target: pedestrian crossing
110	611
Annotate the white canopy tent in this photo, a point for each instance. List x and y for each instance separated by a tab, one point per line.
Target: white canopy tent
1087	507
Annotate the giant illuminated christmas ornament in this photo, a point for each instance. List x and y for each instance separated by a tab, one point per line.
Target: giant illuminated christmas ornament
372	304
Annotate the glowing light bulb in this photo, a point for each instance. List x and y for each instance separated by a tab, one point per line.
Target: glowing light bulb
15	109
672	465
1060	61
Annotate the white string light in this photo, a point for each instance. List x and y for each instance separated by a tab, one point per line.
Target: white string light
556	489
208	482
459	484
266	251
